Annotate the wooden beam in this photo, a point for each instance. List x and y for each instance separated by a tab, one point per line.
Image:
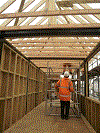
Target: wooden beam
56	45
20	10
78	1
57	41
56	58
54	53
51	64
25	6
50	13
57	61
63	15
6	5
32	10
56	49
57	26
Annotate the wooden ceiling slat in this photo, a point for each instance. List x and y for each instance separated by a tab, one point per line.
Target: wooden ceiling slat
55	49
50	13
57	41
24	27
57	45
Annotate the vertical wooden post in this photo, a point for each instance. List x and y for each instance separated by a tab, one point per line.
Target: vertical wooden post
86	79
51	6
78	82
27	88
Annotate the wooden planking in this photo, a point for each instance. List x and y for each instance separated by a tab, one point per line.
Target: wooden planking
2	106
8	113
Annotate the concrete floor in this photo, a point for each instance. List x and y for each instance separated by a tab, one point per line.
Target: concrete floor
36	122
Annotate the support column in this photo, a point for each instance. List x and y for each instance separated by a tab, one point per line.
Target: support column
86	80
78	82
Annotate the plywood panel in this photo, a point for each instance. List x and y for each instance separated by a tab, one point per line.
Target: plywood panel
8	112
33	102
17	85
10	85
20	107
18	64
24	105
93	115
15	110
12	63
24	85
4	81
22	67
6	58
2	105
97	118
21	85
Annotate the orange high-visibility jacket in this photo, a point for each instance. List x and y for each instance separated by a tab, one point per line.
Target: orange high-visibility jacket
65	87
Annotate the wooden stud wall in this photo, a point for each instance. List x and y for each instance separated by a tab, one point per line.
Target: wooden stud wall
91	110
22	86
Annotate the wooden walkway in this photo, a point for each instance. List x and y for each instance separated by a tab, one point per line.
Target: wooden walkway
37	122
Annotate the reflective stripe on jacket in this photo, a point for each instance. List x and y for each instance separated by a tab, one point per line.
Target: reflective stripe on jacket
65	87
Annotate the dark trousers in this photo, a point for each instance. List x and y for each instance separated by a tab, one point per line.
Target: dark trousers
65	104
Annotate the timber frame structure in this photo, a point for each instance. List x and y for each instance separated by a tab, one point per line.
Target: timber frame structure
56	37
41	31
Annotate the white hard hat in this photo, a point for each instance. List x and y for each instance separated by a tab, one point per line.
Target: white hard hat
66	74
61	76
70	76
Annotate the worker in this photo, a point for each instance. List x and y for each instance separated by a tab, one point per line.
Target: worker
65	86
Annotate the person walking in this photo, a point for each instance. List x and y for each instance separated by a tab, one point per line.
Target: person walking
65	86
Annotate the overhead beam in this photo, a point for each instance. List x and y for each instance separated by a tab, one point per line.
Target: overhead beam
56	53
57	61
53	26
50	13
75	30
77	1
20	10
57	40
55	49
56	45
55	58
6	5
6	22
